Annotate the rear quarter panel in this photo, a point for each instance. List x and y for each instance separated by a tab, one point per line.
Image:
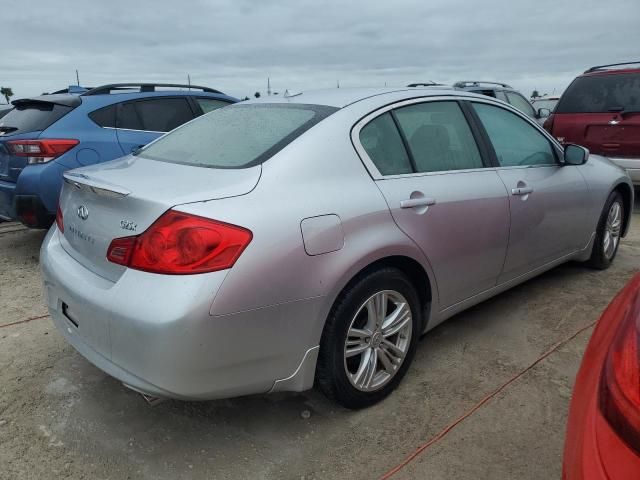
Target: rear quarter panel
318	174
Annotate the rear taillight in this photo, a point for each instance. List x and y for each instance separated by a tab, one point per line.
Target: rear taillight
180	244
620	381
41	151
59	220
548	124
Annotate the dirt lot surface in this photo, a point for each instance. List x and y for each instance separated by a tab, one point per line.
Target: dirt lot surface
60	417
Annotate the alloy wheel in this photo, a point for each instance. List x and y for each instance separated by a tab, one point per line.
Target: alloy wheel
612	230
378	340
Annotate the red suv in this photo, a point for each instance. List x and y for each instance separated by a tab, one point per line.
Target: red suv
600	110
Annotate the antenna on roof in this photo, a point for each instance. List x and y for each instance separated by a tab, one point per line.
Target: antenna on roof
77	77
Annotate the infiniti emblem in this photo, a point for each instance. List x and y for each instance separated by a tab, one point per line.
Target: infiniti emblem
83	212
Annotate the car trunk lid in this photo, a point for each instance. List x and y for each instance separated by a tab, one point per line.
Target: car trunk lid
124	197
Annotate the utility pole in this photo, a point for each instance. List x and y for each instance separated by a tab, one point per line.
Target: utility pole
189	81
268	86
77	77
337	83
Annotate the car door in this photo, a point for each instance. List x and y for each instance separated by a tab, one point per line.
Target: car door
547	200
426	162
141	121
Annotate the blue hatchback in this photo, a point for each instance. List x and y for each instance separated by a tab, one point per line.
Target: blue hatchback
44	136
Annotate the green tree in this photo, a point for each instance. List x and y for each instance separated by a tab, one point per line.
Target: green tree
535	94
6	92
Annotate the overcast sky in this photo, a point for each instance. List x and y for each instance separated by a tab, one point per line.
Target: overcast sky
234	45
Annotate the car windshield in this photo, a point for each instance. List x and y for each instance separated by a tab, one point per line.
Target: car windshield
602	93
237	136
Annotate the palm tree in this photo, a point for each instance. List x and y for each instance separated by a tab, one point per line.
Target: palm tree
6	92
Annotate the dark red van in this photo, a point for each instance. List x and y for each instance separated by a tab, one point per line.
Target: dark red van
600	110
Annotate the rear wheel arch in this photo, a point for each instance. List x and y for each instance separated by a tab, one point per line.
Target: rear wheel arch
414	271
627	197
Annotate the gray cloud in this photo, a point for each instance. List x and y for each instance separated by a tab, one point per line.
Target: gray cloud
234	45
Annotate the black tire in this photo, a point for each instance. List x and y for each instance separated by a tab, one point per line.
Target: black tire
599	258
331	374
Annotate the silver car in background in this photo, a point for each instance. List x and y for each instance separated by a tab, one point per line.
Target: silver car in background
313	238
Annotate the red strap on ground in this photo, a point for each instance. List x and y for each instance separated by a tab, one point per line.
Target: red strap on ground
24	321
439	436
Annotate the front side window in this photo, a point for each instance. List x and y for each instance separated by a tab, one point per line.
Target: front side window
515	141
438	137
382	142
239	136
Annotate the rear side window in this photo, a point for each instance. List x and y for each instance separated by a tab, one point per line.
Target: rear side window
382	142
163	114
439	137
601	94
239	136
210	104
515	141
128	117
32	117
104	117
521	103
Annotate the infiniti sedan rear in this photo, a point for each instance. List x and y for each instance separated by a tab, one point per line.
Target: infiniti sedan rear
274	245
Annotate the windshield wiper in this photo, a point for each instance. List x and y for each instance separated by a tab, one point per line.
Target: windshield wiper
5	129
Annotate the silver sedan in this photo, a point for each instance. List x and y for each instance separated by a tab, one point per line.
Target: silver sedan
313	238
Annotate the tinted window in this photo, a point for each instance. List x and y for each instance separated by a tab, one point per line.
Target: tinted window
487	92
105	117
520	103
439	137
32	117
163	114
601	93
210	104
238	136
128	117
382	141
514	140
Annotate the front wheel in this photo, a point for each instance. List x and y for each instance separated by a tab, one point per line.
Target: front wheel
608	233
369	339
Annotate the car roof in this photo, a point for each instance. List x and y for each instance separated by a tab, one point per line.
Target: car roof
343	97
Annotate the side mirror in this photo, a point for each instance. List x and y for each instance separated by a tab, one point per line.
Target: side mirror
575	154
543	112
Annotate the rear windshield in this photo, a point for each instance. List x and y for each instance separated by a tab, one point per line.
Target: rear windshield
237	136
32	117
602	93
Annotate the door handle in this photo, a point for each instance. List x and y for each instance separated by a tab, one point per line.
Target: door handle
521	191
417	202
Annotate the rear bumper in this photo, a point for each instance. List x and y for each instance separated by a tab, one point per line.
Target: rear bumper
156	334
631	165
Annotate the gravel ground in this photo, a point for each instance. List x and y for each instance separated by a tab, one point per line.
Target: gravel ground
60	417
